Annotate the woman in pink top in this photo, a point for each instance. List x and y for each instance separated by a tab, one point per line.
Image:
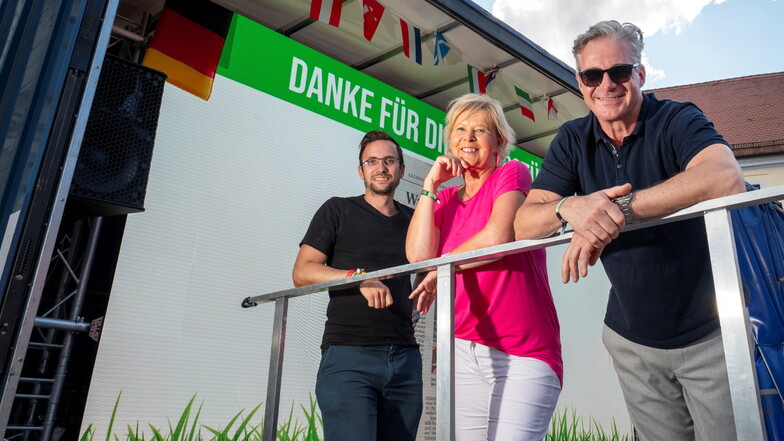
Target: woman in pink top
508	368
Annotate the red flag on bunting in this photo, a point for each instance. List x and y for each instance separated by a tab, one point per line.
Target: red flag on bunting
327	11
552	111
188	42
372	11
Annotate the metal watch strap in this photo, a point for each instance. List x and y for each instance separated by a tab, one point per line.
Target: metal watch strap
624	203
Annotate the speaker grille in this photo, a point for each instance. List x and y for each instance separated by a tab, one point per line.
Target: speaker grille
114	161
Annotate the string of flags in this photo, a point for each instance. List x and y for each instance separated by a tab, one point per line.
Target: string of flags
479	81
188	24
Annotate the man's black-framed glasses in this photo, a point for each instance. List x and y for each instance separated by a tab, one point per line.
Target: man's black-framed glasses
388	161
620	73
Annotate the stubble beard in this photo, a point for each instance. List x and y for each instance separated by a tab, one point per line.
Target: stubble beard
388	189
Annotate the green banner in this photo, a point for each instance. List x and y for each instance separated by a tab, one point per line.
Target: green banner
267	61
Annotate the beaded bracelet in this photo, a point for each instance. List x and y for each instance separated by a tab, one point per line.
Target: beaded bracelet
355	272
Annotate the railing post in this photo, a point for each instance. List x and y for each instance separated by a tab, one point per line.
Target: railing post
445	354
272	405
735	329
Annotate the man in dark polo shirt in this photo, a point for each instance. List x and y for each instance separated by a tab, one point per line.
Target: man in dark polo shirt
369	382
635	157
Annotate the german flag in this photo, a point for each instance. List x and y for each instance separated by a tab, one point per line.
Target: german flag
188	42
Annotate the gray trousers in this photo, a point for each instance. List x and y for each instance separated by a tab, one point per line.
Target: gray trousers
677	394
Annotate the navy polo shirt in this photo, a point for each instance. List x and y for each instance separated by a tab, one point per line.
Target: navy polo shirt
662	289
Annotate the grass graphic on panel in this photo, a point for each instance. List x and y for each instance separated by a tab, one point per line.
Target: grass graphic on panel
565	426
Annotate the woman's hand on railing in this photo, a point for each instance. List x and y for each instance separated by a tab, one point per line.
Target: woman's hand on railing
425	290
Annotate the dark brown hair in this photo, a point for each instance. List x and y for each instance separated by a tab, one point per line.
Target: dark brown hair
378	135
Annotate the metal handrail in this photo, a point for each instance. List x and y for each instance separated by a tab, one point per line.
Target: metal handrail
733	316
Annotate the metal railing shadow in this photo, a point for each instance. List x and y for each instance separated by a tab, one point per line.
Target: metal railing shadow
733	315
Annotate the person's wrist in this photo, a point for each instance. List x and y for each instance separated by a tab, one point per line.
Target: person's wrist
559	211
430	195
625	204
355	272
429	185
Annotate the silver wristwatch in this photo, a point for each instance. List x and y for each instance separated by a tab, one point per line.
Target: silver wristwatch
624	203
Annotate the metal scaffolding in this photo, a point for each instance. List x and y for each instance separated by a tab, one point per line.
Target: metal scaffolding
35	402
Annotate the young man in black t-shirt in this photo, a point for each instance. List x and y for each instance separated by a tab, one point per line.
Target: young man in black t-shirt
369	382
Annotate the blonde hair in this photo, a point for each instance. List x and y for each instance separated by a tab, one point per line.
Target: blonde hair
472	102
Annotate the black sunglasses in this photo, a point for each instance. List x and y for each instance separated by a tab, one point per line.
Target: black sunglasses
620	73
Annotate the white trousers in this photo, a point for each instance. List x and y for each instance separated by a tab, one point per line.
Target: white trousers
501	397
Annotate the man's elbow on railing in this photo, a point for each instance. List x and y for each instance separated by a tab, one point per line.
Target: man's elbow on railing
296	280
737	184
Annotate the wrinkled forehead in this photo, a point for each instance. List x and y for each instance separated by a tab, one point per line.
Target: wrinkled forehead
605	52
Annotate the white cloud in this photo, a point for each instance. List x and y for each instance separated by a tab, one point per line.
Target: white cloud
652	74
554	24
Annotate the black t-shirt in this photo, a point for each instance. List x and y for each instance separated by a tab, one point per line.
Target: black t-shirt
662	291
353	234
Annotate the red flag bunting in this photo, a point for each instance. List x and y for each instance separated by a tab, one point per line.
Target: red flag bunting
327	11
552	111
372	11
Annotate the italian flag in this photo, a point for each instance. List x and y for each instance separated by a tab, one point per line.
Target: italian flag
477	80
525	104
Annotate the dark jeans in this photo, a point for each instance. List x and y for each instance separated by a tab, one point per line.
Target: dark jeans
370	393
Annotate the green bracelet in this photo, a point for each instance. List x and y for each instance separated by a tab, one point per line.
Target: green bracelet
558	211
431	195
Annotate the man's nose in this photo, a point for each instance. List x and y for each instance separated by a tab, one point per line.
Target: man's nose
607	82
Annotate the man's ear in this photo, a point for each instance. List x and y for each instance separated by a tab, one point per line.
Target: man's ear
361	173
642	75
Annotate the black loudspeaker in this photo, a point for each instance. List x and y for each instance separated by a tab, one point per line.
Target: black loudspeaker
114	161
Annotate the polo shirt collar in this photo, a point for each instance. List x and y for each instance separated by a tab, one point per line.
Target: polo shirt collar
639	128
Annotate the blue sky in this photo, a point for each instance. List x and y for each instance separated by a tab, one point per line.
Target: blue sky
686	41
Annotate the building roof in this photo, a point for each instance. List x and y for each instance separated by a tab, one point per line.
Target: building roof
747	111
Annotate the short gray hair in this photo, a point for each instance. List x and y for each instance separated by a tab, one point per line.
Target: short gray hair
610	29
473	102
